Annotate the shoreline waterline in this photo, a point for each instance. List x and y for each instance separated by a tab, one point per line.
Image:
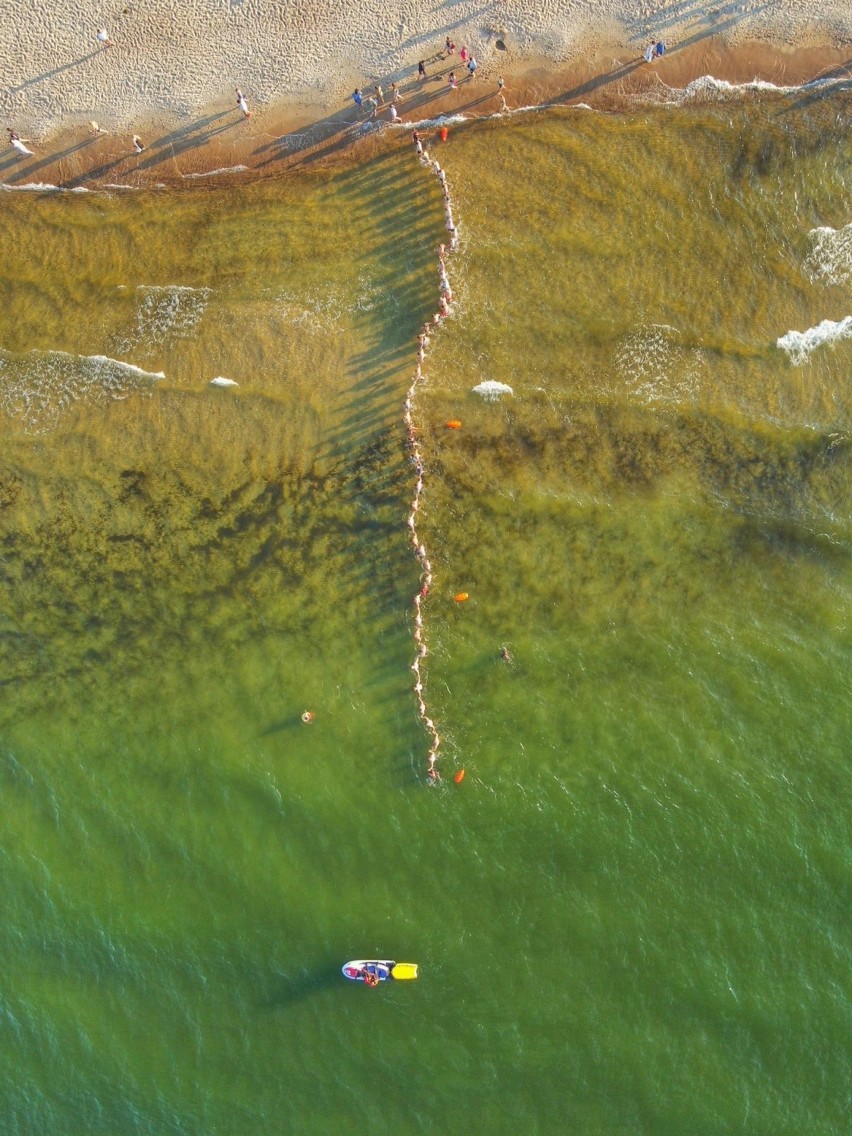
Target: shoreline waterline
216	143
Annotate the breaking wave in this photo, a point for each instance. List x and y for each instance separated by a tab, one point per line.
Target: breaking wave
37	388
799	344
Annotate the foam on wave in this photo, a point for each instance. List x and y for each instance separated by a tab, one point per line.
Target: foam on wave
43	187
164	312
215	173
799	344
830	258
37	388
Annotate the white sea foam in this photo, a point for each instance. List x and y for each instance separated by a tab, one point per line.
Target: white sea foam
215	173
491	390
164	313
433	123
45	187
709	87
322	310
656	367
830	258
31	187
799	344
221	381
37	388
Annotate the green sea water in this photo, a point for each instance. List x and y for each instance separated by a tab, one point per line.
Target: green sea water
631	916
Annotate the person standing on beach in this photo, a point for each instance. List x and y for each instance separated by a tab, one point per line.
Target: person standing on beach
357	97
650	52
396	94
472	66
660	49
103	38
463	55
421	70
242	104
380	94
393	113
451	79
450	46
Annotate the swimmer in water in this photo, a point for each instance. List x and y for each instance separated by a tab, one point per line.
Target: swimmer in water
504	654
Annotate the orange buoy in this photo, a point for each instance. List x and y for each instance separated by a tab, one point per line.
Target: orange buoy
444	133
461	597
453	424
459	777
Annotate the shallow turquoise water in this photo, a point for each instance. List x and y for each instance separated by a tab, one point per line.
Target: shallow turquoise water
631	915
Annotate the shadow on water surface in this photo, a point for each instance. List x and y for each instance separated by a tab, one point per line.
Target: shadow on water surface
278	727
288	991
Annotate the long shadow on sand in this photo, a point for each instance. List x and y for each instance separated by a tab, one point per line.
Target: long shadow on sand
189	137
49	74
28	171
832	82
691	12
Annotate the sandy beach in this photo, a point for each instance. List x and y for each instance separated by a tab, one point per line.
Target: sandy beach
170	74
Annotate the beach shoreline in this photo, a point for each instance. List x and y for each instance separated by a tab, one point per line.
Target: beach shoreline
201	141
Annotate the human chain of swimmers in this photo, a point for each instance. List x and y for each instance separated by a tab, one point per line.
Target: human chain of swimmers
420	552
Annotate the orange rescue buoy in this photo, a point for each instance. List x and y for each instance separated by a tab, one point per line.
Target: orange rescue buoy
461	597
444	133
459	777
453	424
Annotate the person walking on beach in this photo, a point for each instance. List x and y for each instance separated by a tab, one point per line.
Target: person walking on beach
357	97
242	104
103	38
451	79
421	70
472	66
650	52
396	94
380	94
392	113
137	144
463	55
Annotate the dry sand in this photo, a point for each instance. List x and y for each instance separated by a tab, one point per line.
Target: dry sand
173	67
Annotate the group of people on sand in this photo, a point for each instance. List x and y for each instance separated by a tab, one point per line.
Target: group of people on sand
375	100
